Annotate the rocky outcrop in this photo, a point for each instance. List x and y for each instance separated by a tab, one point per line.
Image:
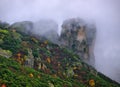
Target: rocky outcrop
46	29
30	60
23	27
79	36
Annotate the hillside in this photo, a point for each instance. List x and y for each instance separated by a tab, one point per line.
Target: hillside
13	74
26	61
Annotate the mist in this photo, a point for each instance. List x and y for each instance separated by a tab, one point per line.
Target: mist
104	13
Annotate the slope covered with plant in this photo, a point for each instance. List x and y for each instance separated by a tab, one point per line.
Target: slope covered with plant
12	74
26	61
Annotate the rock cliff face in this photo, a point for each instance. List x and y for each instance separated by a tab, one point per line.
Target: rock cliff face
79	36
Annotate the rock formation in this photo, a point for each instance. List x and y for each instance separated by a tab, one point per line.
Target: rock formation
79	36
44	28
24	27
76	35
30	60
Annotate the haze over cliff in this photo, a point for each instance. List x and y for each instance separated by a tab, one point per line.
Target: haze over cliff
104	13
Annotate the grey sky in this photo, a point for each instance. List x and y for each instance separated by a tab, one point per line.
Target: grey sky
104	13
17	10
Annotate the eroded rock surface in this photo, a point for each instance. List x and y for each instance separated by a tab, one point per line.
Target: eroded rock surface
79	36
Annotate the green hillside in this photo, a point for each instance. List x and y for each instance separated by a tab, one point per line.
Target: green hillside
13	74
32	61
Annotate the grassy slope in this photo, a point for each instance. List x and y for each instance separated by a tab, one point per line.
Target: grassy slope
65	69
15	75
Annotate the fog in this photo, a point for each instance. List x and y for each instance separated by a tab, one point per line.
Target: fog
104	13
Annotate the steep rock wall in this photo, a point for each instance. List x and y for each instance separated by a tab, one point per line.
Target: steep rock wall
79	36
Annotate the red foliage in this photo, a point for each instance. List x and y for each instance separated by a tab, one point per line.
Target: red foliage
3	85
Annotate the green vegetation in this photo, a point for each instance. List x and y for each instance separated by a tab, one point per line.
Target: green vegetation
13	74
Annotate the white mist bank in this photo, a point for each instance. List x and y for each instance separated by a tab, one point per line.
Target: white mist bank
105	13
